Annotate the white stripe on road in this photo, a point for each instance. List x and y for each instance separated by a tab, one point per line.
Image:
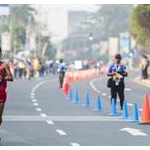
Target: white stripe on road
134	132
34	100
38	109
128	89
74	144
36	104
93	87
41	83
61	132
32	97
64	118
43	115
37	86
32	94
49	122
104	94
129	104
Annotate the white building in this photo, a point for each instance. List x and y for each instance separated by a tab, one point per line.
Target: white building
56	18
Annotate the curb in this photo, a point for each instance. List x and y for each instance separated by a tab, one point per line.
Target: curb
142	81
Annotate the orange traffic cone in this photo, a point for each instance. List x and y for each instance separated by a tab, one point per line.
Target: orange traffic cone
145	116
65	86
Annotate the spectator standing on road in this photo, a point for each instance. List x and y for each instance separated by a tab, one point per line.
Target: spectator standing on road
21	67
61	72
144	64
117	72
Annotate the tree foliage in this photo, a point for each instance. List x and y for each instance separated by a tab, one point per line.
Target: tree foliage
140	25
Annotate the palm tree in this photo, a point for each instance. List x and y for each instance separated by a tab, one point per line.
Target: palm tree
21	16
22	13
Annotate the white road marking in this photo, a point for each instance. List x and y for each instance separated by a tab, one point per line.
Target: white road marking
92	85
36	86
74	144
49	121
128	89
104	94
61	132
64	118
129	104
36	104
34	100
43	115
32	97
38	109
32	94
134	132
41	83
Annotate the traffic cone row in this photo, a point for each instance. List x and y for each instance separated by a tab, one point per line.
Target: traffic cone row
145	115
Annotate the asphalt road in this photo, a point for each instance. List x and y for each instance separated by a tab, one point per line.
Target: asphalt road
37	113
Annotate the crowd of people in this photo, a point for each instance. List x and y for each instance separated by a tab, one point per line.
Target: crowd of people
31	68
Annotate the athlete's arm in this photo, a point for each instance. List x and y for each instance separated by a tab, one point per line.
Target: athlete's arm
9	76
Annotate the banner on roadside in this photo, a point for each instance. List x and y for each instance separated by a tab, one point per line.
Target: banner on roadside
6	41
113	46
124	43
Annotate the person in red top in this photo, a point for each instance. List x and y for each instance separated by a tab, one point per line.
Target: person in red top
5	75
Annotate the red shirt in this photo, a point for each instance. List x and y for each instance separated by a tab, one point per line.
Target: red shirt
3	84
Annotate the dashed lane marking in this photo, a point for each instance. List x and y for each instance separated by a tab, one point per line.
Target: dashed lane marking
34	100
49	121
74	144
32	94
38	109
129	104
61	132
104	94
128	89
36	104
32	97
43	115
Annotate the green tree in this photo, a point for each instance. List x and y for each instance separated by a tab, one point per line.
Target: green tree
21	16
140	25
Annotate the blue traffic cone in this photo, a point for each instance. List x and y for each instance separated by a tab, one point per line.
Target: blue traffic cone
69	97
113	108
87	100
76	97
98	104
135	113
125	111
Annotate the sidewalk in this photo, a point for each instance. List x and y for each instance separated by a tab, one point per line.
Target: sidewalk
145	82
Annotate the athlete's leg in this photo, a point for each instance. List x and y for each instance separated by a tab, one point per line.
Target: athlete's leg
1	111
